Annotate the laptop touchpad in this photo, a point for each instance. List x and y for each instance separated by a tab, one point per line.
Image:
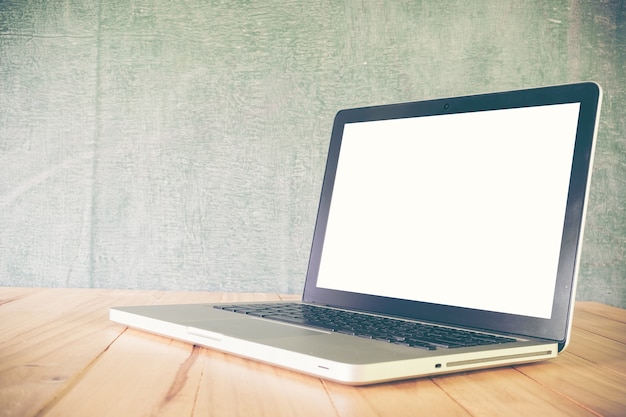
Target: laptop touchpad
245	328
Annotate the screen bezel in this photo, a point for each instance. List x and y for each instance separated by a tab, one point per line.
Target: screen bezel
556	328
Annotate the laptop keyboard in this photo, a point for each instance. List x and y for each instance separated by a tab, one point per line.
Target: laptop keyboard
397	331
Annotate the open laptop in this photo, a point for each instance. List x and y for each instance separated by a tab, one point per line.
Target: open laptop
448	238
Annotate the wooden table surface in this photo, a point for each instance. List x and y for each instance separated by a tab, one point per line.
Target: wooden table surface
61	356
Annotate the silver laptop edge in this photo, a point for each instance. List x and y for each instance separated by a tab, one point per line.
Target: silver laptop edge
298	356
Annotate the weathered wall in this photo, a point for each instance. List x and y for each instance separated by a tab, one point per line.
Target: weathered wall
180	144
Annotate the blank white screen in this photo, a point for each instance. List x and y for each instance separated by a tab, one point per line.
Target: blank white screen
461	209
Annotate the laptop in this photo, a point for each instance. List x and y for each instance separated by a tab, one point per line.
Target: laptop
447	239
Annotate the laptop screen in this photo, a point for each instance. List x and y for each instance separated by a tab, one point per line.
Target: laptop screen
466	210
460	209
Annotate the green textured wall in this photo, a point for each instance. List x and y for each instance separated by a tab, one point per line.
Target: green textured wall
180	144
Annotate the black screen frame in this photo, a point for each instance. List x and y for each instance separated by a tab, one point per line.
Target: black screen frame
588	94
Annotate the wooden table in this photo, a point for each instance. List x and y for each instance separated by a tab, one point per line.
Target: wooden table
61	356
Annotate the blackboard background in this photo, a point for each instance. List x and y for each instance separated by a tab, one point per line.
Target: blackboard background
180	144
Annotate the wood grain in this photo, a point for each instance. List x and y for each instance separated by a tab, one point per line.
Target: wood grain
180	144
60	356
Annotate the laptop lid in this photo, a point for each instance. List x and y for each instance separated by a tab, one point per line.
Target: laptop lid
466	211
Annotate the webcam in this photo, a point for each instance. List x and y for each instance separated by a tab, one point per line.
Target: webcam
446	106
